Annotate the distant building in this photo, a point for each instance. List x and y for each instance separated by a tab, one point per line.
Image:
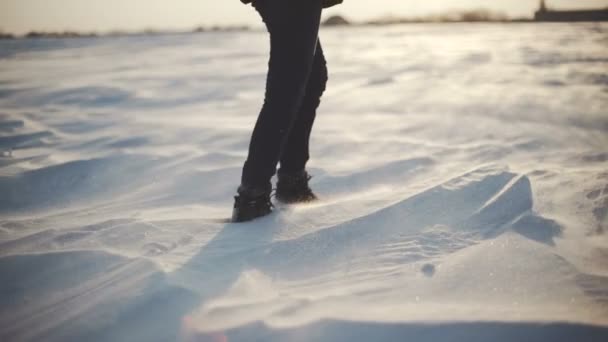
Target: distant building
546	14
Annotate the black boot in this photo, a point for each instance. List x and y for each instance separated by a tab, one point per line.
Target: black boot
251	203
293	188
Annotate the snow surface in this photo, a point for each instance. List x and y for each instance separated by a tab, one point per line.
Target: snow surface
462	171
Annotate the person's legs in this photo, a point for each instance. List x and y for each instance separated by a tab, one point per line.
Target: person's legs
295	153
293	26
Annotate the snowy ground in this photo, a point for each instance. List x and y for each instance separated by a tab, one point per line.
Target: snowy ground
463	172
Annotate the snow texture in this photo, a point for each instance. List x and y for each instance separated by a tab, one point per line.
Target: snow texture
462	171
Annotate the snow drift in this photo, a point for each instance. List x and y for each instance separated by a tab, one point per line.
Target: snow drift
462	171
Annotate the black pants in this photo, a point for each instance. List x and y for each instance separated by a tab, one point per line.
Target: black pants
296	79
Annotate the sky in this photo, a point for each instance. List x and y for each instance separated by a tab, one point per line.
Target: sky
21	16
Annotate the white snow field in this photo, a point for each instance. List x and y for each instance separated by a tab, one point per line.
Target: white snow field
462	171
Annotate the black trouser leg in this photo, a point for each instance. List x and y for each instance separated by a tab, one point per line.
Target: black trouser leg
293	26
295	153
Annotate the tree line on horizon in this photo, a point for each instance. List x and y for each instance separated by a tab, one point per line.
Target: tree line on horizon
466	16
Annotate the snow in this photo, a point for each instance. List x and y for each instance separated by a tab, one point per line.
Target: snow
462	171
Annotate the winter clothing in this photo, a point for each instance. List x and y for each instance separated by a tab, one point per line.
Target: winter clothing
326	3
251	203
296	79
293	188
297	74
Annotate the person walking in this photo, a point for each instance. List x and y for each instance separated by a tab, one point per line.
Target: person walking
297	75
